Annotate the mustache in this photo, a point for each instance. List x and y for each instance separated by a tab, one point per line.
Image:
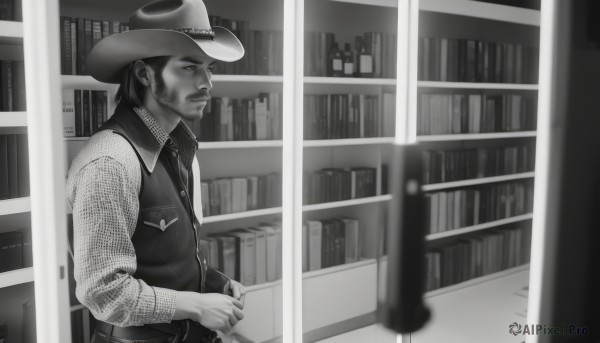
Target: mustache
205	95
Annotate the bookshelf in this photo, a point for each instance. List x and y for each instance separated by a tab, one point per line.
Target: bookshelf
457	20
16	277
13	206
13	119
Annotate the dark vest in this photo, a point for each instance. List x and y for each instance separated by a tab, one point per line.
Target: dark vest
165	238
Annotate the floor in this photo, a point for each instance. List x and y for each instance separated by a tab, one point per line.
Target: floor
370	334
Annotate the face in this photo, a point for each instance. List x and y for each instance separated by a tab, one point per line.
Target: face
183	86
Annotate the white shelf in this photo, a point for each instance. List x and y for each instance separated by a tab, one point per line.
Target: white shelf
348	141
478	227
16	277
476	136
11	32
338	268
17	205
240	144
248	78
71	81
75	139
241	215
13	119
478	280
382	3
476	85
348	81
483	10
77	307
344	203
471	182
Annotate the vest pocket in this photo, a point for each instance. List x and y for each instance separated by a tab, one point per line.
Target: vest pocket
160	218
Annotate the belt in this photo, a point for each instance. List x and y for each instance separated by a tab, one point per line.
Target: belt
178	331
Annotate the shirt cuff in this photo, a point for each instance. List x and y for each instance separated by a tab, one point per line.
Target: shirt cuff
165	301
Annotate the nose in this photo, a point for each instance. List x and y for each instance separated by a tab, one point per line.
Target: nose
204	79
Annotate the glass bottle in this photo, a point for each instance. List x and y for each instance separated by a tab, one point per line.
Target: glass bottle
336	61
348	61
365	60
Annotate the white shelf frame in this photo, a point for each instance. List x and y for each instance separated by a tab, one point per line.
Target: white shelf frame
347	141
72	81
16	205
477	85
328	80
466	8
478	227
476	136
477	280
10	31
345	203
240	144
16	277
241	215
479	181
483	10
13	119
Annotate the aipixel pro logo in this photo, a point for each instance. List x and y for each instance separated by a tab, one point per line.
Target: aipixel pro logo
516	329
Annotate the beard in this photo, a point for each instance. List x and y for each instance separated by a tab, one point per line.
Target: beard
171	99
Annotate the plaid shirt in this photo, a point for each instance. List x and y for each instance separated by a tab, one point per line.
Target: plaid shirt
103	186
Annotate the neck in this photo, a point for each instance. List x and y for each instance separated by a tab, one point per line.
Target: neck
165	117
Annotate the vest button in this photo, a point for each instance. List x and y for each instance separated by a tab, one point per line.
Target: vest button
182	193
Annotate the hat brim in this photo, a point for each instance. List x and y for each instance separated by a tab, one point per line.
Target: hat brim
106	60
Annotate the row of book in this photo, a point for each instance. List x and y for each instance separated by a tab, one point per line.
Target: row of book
475	113
77	38
11	10
249	255
471	60
239	194
12	86
333	116
463	164
84	111
471	206
227	119
14	166
264	49
330	242
337	184
371	55
478	255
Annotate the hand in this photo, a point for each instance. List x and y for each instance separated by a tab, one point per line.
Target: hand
212	310
238	291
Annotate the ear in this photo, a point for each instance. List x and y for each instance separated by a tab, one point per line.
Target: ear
142	72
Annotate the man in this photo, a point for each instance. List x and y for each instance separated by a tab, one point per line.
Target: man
137	261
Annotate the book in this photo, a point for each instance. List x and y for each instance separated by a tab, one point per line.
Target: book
4	192
11	251
245	243
315	239
352	240
13	169
271	250
68	112
261	254
23	187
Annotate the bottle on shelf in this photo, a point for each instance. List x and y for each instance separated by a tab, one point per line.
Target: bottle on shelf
348	59
365	60
335	61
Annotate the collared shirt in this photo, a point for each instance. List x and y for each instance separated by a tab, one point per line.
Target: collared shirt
103	188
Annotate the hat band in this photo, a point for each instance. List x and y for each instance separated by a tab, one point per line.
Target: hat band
197	33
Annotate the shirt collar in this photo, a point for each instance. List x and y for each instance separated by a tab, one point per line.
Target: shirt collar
182	135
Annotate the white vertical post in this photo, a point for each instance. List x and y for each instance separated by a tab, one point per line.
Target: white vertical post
293	93
542	161
46	160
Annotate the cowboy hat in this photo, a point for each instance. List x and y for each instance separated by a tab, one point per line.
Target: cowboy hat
162	28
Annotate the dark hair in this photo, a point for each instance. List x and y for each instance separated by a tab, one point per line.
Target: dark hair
131	90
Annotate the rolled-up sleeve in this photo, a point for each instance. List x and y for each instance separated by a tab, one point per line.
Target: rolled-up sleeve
104	198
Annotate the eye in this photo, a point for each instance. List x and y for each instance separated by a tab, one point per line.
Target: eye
211	67
190	67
